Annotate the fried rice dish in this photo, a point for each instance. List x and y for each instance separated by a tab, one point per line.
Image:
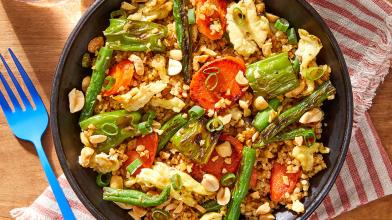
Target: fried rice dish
202	109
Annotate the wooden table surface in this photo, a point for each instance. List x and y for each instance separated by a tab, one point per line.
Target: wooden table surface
37	35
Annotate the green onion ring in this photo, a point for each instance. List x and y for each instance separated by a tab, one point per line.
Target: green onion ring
206	82
144	128
109	82
308	136
118	14
134	166
159	214
196	112
228	179
110	129
176	182
103	180
313	73
191	16
214	124
237	11
211	70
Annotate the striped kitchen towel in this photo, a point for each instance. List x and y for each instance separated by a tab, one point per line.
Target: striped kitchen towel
363	29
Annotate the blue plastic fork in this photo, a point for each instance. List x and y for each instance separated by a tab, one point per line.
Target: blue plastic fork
29	124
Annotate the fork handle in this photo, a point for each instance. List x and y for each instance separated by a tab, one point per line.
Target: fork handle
54	184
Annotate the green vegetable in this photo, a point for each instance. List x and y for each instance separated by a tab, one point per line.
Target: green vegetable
130	35
169	129
118	14
98	76
191	16
86	60
272	76
103	179
134	166
282	24
292	36
214	124
183	31
146	126
134	197
292	114
307	133
188	140
261	120
296	65
176	182
159	214
176	123
196	112
117	126
228	179
211	206
314	73
242	185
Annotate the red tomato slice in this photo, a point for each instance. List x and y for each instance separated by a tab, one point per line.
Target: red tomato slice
215	167
208	13
228	68
277	185
150	142
120	77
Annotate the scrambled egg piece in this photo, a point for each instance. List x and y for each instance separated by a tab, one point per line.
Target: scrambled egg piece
158	63
102	163
159	176
247	31
152	10
304	154
175	104
308	48
137	98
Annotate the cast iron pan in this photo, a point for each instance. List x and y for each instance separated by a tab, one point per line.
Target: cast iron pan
70	73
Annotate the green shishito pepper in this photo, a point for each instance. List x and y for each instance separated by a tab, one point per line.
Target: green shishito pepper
187	141
261	120
134	197
242	184
272	76
176	123
129	35
292	114
97	79
117	126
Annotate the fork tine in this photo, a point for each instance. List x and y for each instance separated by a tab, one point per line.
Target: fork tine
22	95
26	79
10	93
4	105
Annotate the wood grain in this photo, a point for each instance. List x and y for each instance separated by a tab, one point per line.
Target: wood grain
37	35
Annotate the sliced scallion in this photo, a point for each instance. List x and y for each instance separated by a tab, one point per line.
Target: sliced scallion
159	214
214	124
228	179
282	24
118	14
313	73
212	77
103	180
211	70
292	36
134	166
110	129
109	82
238	13
176	182
196	112
191	16
144	128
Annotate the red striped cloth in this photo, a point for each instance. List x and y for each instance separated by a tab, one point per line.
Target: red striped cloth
363	29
